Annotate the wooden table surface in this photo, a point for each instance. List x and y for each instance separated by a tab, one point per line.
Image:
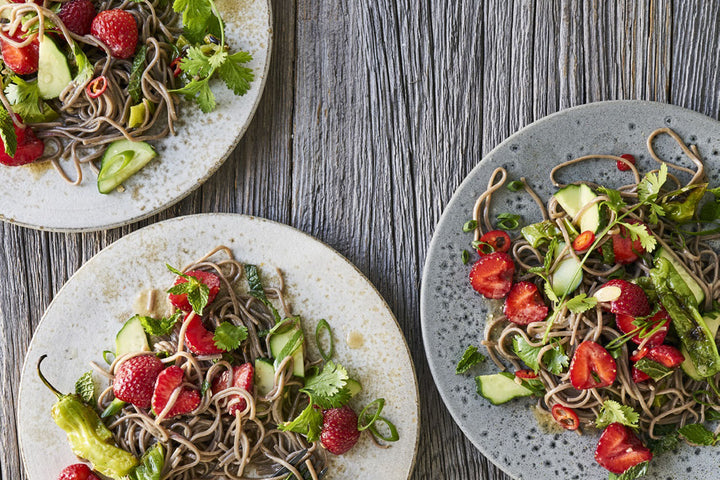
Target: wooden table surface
373	113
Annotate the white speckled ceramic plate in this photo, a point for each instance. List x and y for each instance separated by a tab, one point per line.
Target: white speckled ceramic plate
35	196
453	315
86	314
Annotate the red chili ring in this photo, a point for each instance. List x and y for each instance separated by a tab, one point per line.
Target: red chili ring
175	66
565	416
526	374
97	87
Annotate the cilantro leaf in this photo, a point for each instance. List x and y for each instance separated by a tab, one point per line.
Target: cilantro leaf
550	293
581	303
612	411
195	16
328	387
554	359
235	75
638	231
631	473
615	201
138	66
469	359
163	326
85	387
7	132
697	434
229	336
308	423
649	187
217	59
25	99
196	63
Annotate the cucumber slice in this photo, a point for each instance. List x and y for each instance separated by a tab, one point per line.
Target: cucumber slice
696	290
712	321
131	338
122	159
353	387
278	342
567	276
500	388
573	198
264	376
53	71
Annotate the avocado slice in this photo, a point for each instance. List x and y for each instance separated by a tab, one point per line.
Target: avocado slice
53	70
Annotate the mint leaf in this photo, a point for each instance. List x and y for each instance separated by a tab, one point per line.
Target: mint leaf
308	423
7	133
328	387
235	75
581	303
666	443
85	387
697	434
198	294
469	359
163	326
229	336
612	411
138	66
631	473
256	289
655	370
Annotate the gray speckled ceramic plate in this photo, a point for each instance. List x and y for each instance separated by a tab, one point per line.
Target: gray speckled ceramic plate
86	314
453	315
35	196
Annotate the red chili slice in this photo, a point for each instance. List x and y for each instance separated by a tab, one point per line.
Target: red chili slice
583	241
497	239
565	416
97	87
175	66
526	374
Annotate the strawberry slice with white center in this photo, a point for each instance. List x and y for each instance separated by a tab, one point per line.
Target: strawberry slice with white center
624	298
242	378
167	382
492	275
620	449
180	301
661	318
524	304
592	367
199	339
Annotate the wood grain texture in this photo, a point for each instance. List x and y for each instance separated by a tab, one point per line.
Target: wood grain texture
373	114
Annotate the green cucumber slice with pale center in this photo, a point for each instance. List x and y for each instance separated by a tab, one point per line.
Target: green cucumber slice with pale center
121	160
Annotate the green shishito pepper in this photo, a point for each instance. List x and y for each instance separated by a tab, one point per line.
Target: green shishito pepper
683	203
682	306
88	436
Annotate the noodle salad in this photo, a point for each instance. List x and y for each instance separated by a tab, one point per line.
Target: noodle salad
610	308
220	388
91	83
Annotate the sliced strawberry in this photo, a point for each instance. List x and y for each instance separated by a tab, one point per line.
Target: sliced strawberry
565	416
339	430
242	378
198	338
619	449
625	324
592	367
180	301
492	275
494	241
622	166
638	375
638	354
624	298
21	60
526	374
524	304
135	378
666	355
78	471
29	148
168	380
626	249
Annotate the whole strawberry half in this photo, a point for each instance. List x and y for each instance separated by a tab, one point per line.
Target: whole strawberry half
118	30
198	338
624	298
492	275
619	449
242	378
29	148
168	380
180	301
592	367
21	60
524	304
339	430
661	318
135	380
77	15
78	471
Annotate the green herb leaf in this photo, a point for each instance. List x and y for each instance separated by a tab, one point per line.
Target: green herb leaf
615	201
7	132
470	225
235	74
608	253
195	17
554	359
85	69
697	434
612	411
515	185
508	221
649	187
256	289
469	359
655	370
535	385
163	326
197	292
666	443
85	387
138	66
25	99
581	303
328	387
308	423
538	233
638	231
229	336
631	473
550	293
712	415
204	388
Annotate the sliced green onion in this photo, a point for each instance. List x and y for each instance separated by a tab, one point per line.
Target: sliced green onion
483	247
470	225
465	257
323	325
515	185
508	221
106	354
392	437
379	403
113	409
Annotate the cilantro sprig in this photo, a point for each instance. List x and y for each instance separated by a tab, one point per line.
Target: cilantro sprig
612	412
229	336
328	388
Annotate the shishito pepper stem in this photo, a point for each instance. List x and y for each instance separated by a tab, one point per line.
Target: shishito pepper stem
45	380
